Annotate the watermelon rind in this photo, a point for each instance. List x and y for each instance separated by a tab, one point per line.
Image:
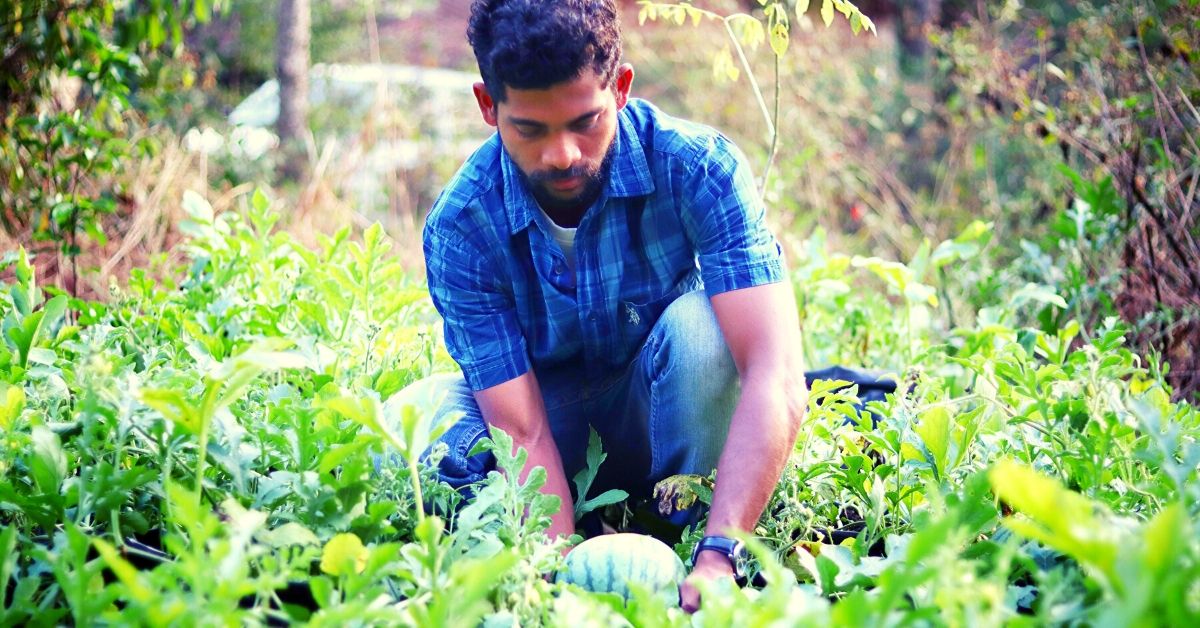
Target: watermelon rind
611	562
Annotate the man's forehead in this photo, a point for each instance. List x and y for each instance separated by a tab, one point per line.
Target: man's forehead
560	102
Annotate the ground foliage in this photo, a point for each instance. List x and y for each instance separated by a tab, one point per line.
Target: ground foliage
1113	87
1034	467
1017	475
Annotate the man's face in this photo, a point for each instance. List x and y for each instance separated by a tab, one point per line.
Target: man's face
559	137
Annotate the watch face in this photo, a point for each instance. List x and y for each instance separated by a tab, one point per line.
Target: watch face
740	559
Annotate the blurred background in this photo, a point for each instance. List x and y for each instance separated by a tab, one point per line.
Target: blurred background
1067	129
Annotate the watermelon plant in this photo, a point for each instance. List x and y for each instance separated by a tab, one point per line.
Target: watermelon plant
231	441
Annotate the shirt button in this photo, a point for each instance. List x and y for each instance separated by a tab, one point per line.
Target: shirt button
558	268
592	316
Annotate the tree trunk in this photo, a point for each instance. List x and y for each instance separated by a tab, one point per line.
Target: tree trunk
291	69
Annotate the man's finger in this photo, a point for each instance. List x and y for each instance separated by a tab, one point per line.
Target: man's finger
689	597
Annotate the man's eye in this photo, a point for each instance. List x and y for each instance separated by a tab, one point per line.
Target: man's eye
527	132
585	125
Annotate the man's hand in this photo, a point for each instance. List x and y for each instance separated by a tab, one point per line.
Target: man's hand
709	566
516	407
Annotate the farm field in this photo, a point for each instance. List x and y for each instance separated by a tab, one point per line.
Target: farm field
207	409
1017	476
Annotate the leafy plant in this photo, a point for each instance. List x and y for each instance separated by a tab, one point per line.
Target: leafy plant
749	31
243	439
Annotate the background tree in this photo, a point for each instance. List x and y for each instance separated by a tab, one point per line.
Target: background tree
72	76
291	67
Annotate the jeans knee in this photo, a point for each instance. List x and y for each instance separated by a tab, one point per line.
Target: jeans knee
688	340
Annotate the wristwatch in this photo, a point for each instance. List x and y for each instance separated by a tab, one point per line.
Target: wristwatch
732	549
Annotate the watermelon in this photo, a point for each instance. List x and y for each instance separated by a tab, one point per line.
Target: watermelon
611	562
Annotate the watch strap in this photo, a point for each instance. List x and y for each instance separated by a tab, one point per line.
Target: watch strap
733	549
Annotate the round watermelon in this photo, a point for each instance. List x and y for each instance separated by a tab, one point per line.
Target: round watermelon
609	563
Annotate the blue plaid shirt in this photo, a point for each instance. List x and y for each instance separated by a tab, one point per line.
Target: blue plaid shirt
679	211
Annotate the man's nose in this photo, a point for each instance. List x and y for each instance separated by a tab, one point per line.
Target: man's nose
561	153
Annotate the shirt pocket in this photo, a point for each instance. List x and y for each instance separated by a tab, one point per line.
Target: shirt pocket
637	317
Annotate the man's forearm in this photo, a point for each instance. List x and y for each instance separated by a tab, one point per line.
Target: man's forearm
761	436
516	407
544	453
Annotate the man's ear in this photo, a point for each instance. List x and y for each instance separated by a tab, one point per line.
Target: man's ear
622	83
487	106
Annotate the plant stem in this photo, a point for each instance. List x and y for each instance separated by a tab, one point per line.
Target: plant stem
762	103
774	132
200	459
415	475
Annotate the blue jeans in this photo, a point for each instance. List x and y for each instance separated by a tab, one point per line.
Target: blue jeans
667	413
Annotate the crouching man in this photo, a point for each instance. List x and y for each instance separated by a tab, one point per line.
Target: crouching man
598	262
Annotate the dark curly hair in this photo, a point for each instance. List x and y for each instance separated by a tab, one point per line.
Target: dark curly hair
535	44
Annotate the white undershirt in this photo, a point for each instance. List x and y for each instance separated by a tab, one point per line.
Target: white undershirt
565	237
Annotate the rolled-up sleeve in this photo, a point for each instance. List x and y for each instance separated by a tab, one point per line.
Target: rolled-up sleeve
726	221
480	320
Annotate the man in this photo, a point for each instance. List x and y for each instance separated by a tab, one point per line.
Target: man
598	262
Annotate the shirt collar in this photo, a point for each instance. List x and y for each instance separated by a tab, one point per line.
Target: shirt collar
628	175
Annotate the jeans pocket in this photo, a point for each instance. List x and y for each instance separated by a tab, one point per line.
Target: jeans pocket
458	467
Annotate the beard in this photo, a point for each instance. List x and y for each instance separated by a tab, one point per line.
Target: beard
552	201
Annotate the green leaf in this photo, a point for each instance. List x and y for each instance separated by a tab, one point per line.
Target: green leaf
260	202
1039	293
894	274
928	540
1058	518
364	411
11	405
322	591
197	208
583	480
647	12
779	39
414	408
8	555
867	23
749	31
289	534
724	67
27	334
338	454
1164	537
607	498
135	585
978	232
344	555
174	406
827	12
827	571
48	466
934	428
54	310
801	8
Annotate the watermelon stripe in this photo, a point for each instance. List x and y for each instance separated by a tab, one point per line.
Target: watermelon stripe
610	563
610	571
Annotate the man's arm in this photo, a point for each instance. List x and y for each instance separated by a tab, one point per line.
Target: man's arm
484	336
516	407
762	329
